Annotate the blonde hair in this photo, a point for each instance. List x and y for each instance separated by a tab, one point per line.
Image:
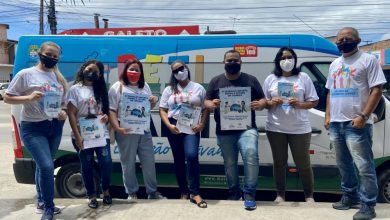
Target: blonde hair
60	78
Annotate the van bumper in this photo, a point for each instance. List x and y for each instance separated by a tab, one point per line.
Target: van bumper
24	170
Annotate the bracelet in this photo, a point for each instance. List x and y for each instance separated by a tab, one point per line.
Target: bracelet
365	117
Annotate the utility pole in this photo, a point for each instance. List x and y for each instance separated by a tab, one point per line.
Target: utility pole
51	17
234	21
41	18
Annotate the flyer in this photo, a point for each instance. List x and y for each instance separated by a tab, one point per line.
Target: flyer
52	103
286	92
135	112
188	118
92	131
235	111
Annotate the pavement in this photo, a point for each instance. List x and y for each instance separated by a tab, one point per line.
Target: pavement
183	209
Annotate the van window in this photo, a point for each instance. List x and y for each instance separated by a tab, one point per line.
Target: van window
318	73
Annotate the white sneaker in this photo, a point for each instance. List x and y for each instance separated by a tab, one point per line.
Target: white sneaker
310	200
279	199
156	195
132	198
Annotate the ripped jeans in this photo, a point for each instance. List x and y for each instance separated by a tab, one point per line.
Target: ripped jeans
87	167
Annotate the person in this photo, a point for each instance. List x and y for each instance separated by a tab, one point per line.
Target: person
289	125
184	145
132	81
233	141
41	124
88	98
355	84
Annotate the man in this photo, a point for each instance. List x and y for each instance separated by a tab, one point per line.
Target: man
233	141
355	82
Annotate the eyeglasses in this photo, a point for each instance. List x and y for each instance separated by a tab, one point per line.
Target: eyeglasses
286	57
178	69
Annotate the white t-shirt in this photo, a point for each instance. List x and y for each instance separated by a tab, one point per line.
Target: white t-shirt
83	98
114	94
33	79
291	121
193	94
349	82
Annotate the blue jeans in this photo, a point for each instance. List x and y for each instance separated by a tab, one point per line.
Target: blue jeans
185	147
245	142
42	140
354	146
86	157
131	145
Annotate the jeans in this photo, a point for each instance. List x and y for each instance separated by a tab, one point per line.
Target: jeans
245	142
354	146
131	145
86	157
42	140
185	147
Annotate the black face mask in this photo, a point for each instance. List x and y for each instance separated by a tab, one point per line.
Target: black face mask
232	68
90	75
346	47
48	62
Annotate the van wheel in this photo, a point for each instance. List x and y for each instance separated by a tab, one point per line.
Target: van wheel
69	182
384	186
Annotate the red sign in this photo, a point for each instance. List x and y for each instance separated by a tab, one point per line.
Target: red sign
246	50
170	30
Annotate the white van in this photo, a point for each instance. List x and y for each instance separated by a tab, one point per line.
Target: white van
204	55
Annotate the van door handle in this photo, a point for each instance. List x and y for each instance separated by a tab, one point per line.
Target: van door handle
316	131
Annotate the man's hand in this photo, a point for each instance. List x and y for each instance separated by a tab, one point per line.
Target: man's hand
358	122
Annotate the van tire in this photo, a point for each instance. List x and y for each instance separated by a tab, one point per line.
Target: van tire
69	182
384	186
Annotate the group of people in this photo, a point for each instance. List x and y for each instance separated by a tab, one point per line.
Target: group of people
348	117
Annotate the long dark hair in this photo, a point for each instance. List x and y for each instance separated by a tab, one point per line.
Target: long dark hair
173	81
278	70
99	86
123	76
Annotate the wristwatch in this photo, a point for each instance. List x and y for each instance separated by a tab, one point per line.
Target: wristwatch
365	117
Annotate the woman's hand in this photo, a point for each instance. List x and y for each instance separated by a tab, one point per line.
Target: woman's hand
173	129
104	118
35	96
198	128
123	131
275	101
294	103
62	115
79	143
152	100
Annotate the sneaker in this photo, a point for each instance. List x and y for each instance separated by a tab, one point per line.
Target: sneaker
48	215
346	203
310	200
40	209
235	196
107	200
132	197
250	202
279	199
93	203
365	213
156	195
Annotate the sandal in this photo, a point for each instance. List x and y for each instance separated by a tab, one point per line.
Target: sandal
201	204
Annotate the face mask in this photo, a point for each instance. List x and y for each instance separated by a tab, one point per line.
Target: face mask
90	75
346	47
133	76
48	62
181	75
287	65
232	68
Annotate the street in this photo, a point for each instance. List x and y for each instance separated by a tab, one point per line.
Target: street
17	201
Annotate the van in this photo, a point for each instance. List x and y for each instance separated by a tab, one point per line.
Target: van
204	56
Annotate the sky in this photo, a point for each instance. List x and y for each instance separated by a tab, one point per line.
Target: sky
323	18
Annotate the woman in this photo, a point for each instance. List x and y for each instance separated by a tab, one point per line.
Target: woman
88	103
182	91
289	95
41	89
132	81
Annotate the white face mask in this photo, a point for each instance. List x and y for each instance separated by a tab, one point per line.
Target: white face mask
182	75
287	65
